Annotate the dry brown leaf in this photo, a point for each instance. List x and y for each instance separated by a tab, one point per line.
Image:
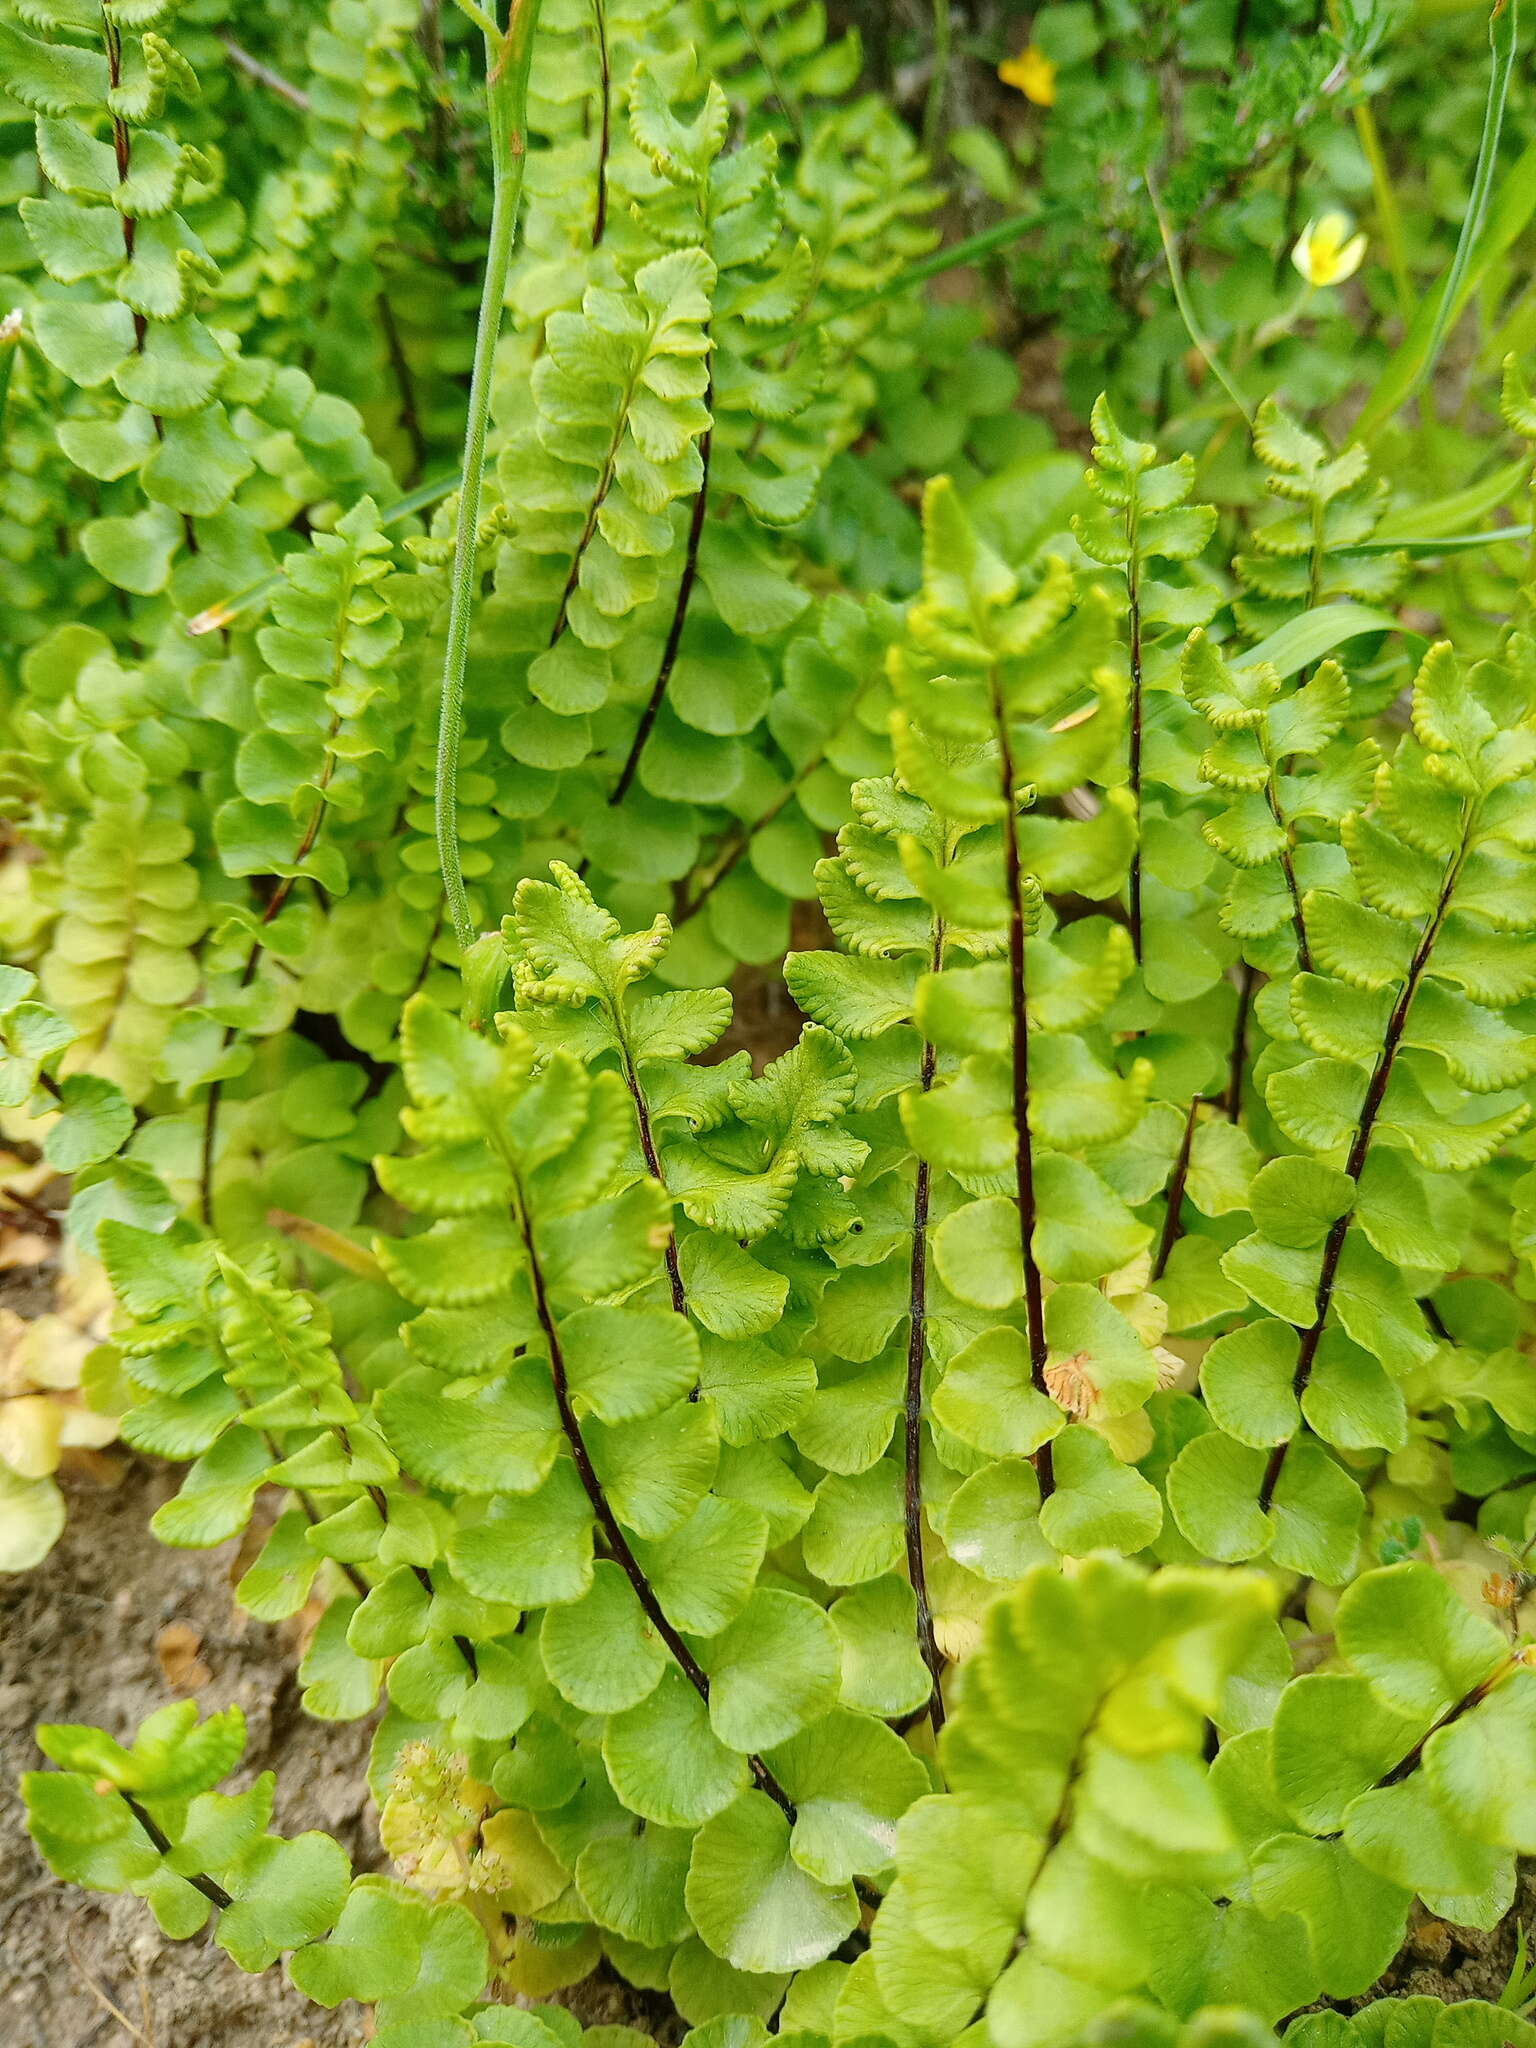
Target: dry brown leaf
30	1425
299	1629
28	1177
43	1352
23	1248
99	1468
177	1646
84	1296
252	1541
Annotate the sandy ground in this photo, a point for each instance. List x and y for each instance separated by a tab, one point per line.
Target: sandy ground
90	1636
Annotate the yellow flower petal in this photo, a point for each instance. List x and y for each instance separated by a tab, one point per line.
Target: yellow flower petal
1033	73
1325	252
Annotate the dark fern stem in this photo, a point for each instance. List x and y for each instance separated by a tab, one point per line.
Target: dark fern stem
1024	1151
1407	1765
685	585
122	150
1133	594
917	1350
1246	983
1056	1829
423	1578
653	1164
275	903
405	387
605	120
210	1889
1288	869
787	104
1171	1220
738	842
613	1535
1354	1165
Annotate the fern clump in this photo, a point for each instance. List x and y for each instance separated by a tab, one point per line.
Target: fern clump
997	1505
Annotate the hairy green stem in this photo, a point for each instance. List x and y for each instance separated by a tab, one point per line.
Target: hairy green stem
1186	306
1504	44
507	61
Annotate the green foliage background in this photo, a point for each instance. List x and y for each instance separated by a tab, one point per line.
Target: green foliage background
1006	1515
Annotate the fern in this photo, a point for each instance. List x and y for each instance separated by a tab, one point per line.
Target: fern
780	1489
318	226
1147	520
640	567
1079	1730
164	392
1304	558
1411	940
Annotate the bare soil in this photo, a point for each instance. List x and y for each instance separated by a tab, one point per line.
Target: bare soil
1451	1963
82	1638
110	1626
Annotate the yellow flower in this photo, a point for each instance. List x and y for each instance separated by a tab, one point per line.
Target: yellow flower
1326	252
1033	73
